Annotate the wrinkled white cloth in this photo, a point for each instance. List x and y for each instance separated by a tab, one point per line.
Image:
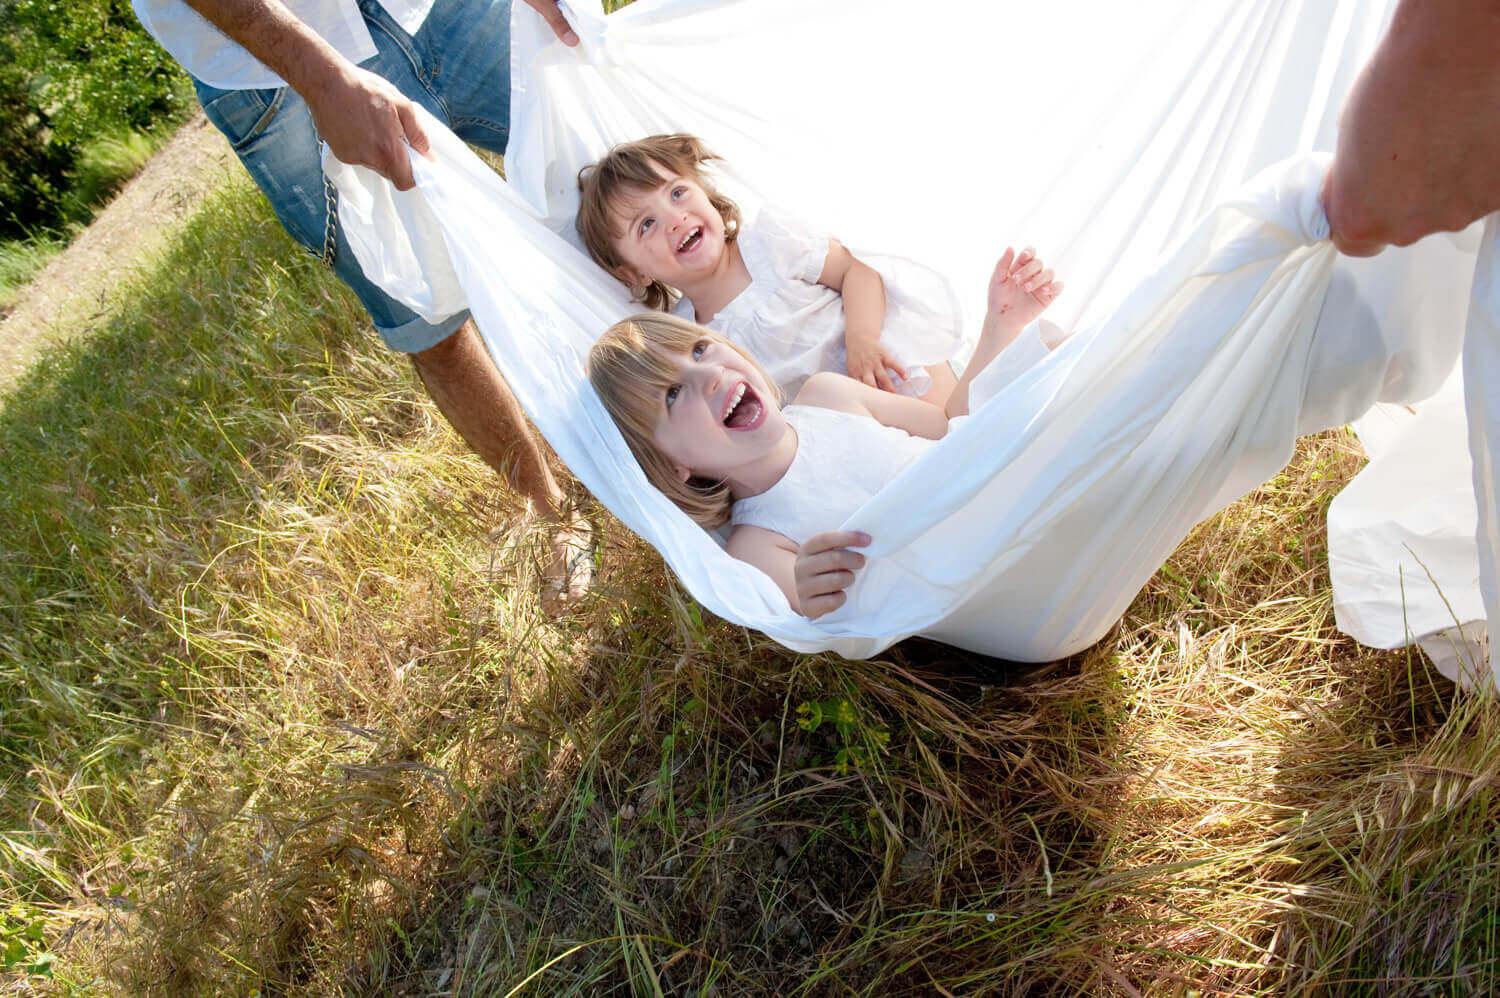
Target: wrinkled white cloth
841	461
1214	321
794	326
1401	549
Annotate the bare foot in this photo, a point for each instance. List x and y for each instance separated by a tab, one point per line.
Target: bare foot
568	575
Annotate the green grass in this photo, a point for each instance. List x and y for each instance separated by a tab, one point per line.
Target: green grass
21	260
110	160
279	713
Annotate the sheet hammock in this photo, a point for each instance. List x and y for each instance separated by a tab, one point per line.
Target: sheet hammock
1214	321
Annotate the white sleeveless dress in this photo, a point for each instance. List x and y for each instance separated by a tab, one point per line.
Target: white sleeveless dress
794	326
841	461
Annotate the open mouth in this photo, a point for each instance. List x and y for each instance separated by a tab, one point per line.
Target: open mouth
745	410
691	241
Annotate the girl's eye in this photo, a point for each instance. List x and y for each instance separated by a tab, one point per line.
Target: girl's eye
700	348
646	224
678	192
672	394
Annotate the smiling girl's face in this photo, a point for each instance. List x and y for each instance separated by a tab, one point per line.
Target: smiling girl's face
671	233
718	419
702	418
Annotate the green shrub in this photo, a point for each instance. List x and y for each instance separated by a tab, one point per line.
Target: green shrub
74	79
93	67
32	167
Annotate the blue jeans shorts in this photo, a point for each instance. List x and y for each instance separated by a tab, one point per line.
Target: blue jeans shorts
457	66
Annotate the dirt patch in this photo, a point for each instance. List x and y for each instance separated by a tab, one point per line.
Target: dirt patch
75	290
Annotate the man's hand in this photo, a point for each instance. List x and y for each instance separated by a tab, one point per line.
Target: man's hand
368	122
555	20
364	119
824	568
1419	138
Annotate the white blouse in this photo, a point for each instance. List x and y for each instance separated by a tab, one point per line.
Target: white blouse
795	326
841	461
216	59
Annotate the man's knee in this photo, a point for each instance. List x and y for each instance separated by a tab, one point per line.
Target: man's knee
455	349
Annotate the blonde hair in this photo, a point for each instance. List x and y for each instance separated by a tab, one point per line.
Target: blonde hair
631	367
636	167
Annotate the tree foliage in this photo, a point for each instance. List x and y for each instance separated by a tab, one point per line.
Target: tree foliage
32	169
71	72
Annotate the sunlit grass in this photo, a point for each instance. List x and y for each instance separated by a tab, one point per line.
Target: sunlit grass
20	261
280	713
107	162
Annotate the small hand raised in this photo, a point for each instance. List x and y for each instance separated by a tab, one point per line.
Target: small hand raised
1020	287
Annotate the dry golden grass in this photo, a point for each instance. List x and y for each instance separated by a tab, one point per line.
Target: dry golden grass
281	715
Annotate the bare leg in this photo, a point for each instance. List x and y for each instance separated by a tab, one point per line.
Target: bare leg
942	383
476	401
464	382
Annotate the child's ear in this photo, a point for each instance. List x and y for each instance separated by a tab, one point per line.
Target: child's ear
634	278
681	471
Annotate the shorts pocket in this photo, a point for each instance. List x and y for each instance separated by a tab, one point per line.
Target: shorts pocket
243	115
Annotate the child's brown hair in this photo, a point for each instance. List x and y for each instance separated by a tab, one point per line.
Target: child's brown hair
631	368
635	167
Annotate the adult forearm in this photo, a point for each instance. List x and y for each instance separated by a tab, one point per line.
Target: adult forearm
364	119
1419	140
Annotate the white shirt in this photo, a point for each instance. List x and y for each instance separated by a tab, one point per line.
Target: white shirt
217	60
841	461
795	326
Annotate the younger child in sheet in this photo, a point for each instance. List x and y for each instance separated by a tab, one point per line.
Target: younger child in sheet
796	299
704	419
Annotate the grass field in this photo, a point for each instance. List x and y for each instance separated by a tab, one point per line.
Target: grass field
280	715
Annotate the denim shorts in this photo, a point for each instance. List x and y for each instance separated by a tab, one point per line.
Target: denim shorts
457	66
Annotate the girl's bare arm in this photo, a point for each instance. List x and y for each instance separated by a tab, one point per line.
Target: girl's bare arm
812	576
835	391
864	314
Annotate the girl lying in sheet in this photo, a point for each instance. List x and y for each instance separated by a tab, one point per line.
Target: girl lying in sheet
705	421
796	299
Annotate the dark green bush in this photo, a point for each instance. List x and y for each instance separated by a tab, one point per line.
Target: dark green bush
32	168
71	75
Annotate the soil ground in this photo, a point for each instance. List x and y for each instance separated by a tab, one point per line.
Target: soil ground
75	289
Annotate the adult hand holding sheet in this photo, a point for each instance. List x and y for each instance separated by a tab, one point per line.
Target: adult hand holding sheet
1207	337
